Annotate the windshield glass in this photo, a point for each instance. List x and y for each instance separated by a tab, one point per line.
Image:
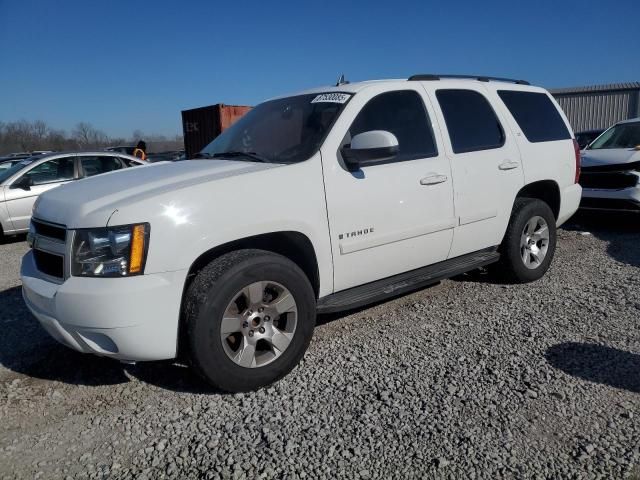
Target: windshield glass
12	168
624	135
286	130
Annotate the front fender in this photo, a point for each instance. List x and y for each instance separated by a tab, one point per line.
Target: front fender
189	222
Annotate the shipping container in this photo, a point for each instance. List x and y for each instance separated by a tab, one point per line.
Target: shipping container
201	125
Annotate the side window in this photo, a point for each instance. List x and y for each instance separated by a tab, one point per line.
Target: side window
58	170
536	115
129	162
99	164
471	122
403	114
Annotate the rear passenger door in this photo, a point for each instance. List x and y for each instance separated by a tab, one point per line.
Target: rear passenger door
485	163
544	138
91	165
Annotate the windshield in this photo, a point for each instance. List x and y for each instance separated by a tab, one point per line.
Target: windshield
286	130
623	135
8	169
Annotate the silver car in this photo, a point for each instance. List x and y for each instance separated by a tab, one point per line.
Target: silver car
21	182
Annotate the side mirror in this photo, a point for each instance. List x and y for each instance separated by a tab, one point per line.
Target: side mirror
25	183
370	148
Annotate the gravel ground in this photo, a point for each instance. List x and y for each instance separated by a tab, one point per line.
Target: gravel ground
467	379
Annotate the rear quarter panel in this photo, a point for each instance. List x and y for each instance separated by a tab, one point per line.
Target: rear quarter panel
543	160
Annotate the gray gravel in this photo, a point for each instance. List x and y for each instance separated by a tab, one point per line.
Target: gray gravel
467	379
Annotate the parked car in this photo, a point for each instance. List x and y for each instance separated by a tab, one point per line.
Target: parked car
128	149
19	154
170	156
6	162
24	180
318	202
27	154
610	175
586	137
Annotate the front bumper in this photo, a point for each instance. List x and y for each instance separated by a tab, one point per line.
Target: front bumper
129	319
624	200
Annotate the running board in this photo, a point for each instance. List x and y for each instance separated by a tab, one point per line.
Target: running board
405	282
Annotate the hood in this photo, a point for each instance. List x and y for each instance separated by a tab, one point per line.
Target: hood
90	202
608	156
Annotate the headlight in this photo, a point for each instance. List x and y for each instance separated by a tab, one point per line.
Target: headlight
110	252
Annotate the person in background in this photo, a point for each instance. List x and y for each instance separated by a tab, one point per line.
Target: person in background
141	150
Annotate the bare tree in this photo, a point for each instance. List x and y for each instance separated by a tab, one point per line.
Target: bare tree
83	133
39	129
57	140
21	135
24	136
89	137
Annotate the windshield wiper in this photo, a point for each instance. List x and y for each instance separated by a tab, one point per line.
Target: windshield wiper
250	155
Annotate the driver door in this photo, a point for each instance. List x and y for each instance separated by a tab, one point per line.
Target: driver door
44	176
396	216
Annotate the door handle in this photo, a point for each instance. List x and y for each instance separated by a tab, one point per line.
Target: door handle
433	179
508	165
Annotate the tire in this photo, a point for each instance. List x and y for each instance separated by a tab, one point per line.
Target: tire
525	257
220	290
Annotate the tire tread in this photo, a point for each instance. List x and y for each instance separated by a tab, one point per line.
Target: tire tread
198	293
508	269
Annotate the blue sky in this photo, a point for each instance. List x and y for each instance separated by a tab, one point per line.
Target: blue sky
125	65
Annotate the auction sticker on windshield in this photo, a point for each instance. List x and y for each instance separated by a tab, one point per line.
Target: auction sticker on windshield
331	98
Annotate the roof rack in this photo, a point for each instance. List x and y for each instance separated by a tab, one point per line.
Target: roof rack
480	78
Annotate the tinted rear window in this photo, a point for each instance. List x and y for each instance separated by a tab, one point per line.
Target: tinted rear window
471	122
536	115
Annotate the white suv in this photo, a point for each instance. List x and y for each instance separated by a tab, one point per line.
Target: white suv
316	202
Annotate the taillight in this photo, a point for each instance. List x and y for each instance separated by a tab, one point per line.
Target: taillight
576	147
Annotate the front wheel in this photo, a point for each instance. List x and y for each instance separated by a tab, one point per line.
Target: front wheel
529	243
250	316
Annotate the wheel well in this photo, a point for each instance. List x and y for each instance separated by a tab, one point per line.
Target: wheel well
293	245
545	190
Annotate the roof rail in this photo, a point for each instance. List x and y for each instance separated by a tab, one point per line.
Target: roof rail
481	78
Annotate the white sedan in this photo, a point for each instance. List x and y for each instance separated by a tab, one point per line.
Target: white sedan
23	181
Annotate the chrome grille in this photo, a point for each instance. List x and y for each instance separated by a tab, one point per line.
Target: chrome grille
608	180
49	263
49	230
49	245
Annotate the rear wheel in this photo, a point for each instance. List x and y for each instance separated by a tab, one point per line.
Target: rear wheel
529	243
250	316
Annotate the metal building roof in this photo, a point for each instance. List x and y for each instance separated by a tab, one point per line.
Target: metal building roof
597	88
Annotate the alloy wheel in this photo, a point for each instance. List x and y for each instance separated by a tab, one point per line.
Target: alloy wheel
534	242
259	324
